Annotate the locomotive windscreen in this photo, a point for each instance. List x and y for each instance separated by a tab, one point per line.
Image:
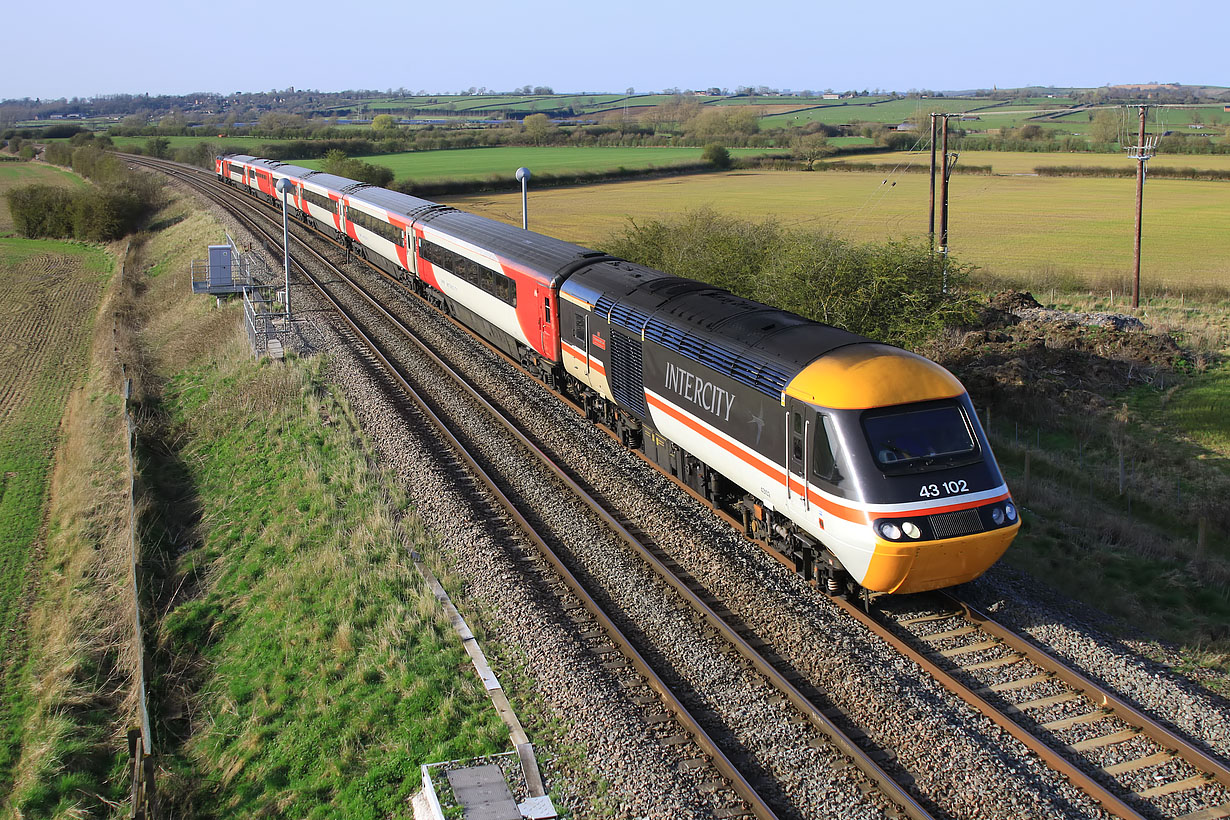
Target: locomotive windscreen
920	437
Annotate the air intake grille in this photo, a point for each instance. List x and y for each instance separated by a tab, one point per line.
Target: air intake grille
761	376
953	524
627	375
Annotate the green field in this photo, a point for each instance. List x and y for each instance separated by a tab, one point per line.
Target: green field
480	163
1013	162
839	112
1077	230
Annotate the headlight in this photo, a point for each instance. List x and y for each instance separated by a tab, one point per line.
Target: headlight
997	515
889	530
1010	511
911	529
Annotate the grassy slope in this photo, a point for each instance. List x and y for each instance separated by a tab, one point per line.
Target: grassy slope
319	673
40	362
1077	231
479	163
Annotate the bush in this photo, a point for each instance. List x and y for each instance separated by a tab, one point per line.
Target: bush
109	209
336	162
891	291
41	210
716	155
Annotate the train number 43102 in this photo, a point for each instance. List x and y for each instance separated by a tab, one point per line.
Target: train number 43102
947	488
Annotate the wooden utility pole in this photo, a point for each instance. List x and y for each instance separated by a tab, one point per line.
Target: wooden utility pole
931	212
1141	153
944	194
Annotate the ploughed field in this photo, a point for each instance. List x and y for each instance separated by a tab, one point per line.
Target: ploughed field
1076	230
48	292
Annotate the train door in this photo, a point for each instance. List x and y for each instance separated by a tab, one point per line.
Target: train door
547	326
799	422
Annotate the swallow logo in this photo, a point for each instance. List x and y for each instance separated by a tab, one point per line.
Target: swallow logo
759	422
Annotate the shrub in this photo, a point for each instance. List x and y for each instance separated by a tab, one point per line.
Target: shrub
716	155
891	291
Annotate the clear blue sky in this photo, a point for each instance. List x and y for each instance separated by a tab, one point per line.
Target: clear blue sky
53	50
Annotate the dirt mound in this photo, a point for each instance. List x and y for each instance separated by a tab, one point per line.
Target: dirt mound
1022	352
1024	306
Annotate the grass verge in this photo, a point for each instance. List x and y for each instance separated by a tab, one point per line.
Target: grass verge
303	669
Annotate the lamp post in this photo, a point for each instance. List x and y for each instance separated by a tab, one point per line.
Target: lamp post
523	176
283	188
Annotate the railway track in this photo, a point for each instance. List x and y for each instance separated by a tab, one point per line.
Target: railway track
596	625
1126	760
1076	728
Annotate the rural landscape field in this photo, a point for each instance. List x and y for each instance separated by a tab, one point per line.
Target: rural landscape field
50	291
1072	232
339	620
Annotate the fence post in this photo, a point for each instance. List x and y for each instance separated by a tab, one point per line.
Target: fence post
1202	536
1025	494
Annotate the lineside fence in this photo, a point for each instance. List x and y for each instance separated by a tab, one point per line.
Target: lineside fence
140	738
1122	495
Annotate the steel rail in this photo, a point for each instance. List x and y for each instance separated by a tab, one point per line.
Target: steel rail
687	721
1099	695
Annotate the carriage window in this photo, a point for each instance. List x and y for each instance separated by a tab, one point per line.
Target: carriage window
546	308
480	276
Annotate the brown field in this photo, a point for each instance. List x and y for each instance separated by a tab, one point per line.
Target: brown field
1076	230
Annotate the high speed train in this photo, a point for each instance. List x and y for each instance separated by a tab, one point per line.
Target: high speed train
861	464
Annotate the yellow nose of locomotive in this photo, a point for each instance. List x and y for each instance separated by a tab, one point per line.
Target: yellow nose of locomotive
927	565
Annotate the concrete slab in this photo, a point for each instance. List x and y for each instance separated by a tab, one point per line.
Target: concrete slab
483	794
538	808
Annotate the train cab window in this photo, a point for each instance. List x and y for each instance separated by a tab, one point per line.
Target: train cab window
824	454
919	438
796	442
578	329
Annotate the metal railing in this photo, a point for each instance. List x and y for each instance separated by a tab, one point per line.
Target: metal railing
260	318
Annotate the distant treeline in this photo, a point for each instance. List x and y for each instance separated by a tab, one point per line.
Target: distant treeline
908	168
109	209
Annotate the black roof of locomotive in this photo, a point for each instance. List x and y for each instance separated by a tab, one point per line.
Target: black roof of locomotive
761	346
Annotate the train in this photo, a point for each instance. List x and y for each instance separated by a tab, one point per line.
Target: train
860	464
